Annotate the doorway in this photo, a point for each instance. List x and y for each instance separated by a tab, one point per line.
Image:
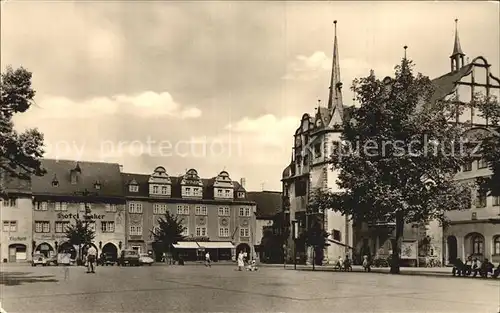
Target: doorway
17	252
452	248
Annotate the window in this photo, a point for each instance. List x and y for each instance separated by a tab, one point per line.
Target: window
317	150
183	210
337	235
82	207
477	245
224	211
227	193
42	227
196	191
201	231
41	206
219	193
223	232
61	206
468	167
91	226
164	190
481	163
9	226
244	232
155	189
201	210
241	194
133	188
111	208
496	200
135	230
108	227
188	191
135	207
61	227
159	208
496	245
185	232
11	202
244	211
480	200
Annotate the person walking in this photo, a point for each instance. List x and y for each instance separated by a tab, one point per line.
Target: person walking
207	259
241	261
91	259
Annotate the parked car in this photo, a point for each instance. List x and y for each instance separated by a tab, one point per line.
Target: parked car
106	259
39	259
52	260
129	257
145	259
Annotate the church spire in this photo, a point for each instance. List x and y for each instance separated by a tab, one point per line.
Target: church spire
335	95
457	57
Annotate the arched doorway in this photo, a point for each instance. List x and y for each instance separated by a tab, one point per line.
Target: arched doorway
45	248
110	249
67	248
451	245
243	247
17	252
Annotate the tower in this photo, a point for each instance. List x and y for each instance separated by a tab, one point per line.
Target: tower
457	57
335	105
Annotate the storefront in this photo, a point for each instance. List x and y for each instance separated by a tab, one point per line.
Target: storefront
195	251
15	249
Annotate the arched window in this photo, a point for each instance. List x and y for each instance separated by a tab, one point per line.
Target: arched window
496	245
477	245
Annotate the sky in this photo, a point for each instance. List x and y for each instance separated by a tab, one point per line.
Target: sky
214	85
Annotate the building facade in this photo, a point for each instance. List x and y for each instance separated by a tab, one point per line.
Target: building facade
310	169
216	214
16	220
70	190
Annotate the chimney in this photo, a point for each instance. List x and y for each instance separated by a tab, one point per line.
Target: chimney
121	168
242	182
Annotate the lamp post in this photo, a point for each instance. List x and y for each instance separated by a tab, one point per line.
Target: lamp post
295	235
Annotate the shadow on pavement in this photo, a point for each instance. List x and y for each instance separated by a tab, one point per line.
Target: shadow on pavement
18	278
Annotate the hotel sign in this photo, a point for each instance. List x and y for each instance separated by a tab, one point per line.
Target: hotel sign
18	238
50	236
63	216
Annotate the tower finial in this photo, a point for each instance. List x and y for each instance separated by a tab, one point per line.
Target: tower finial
405	47
335	103
457	57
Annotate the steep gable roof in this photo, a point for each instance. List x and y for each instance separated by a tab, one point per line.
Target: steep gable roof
268	203
107	174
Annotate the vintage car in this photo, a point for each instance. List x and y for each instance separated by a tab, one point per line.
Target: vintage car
106	259
52	260
129	257
39	259
146	259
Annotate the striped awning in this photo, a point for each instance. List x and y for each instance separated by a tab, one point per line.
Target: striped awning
186	245
216	245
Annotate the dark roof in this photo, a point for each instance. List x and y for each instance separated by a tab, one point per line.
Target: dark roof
143	182
107	174
16	185
444	85
269	203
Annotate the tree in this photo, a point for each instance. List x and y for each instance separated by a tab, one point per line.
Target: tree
316	237
168	232
398	156
80	234
490	146
20	153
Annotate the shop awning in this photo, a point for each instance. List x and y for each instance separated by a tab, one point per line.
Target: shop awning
186	245
216	245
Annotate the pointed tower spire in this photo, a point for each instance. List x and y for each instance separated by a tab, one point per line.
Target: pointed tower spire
457	57
335	95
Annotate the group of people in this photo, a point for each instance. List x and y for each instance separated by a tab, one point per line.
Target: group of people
474	267
345	265
243	262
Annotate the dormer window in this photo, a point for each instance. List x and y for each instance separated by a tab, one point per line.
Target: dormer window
97	185
133	188
219	192
241	194
227	193
164	190
155	189
55	182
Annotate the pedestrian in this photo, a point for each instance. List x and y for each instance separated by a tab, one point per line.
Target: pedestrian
245	257
241	261
366	263
91	259
207	259
66	260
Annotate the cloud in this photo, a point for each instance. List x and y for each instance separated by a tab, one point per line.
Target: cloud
306	68
142	105
267	130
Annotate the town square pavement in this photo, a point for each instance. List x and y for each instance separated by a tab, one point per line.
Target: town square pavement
195	288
